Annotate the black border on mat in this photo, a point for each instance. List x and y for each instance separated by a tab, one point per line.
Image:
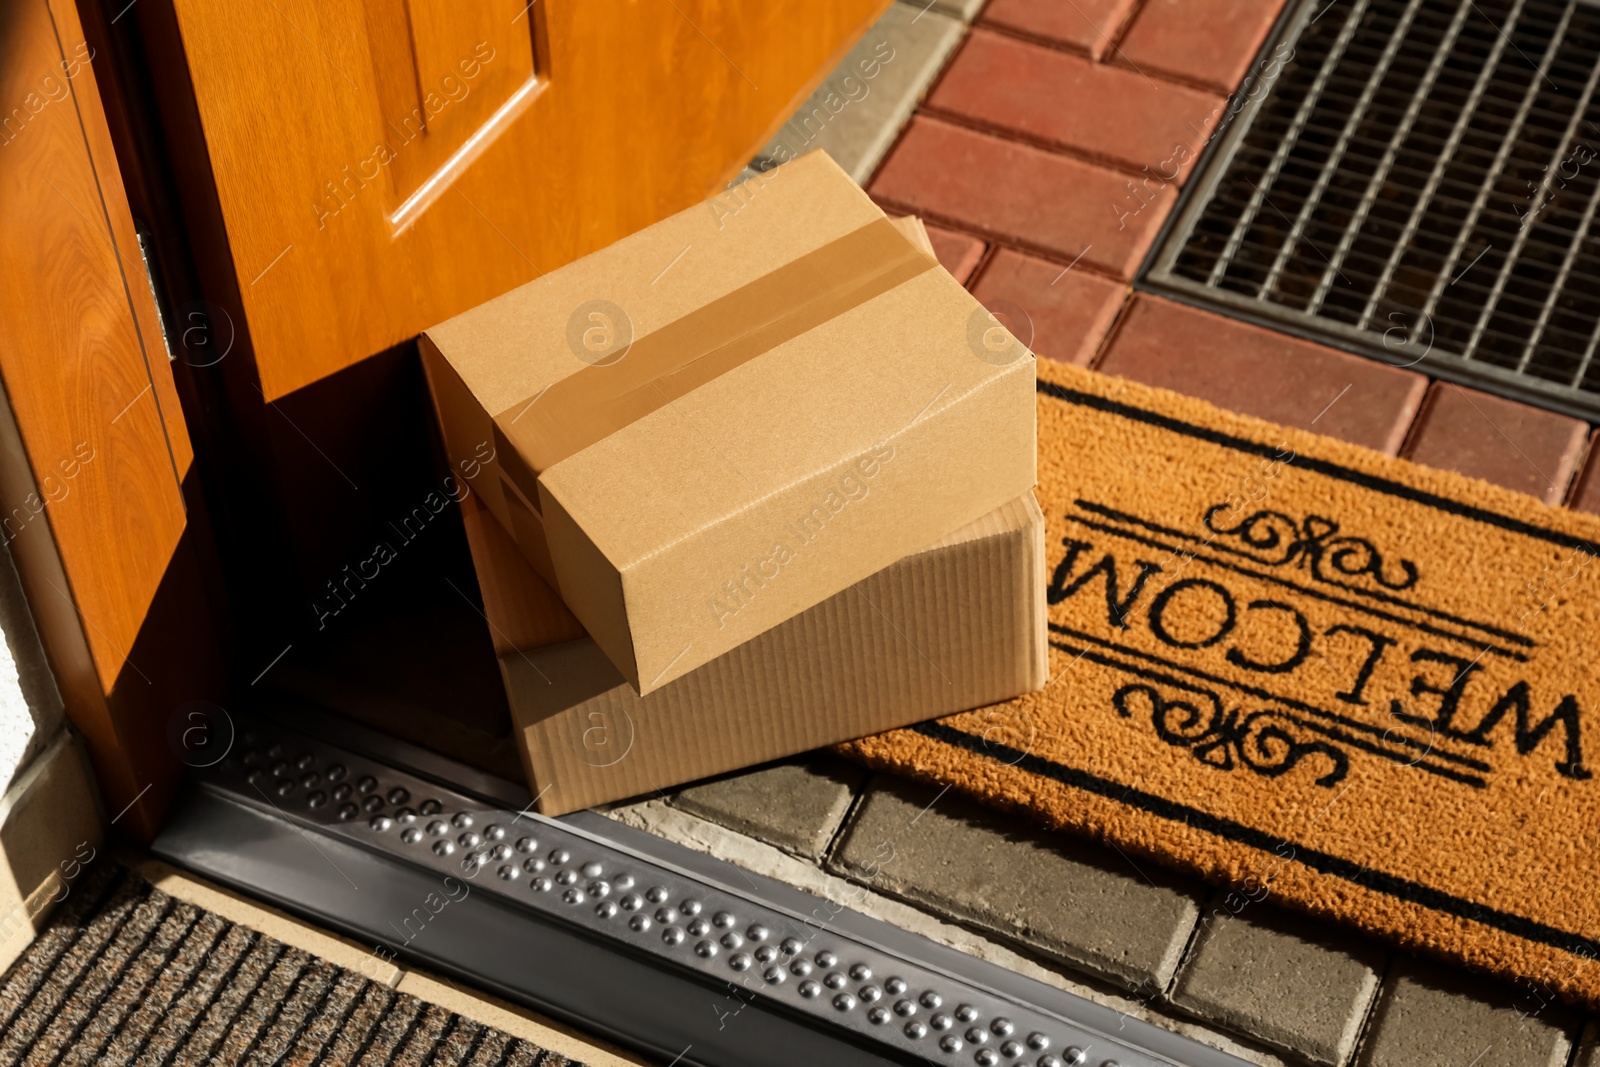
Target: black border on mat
1376	483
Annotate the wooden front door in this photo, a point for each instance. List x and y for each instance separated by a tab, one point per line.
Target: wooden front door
319	182
95	457
380	165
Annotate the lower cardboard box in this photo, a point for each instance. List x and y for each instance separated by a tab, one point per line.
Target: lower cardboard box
958	625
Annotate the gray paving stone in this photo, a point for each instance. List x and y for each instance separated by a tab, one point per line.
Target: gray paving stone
1063	897
965	10
794	806
1589	1050
859	108
1429	1017
1291	984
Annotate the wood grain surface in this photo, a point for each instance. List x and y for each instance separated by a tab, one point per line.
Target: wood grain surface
93	446
356	216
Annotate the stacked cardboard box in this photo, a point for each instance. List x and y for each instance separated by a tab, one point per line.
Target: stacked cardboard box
759	480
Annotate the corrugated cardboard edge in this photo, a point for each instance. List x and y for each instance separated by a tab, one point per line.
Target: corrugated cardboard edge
463	424
522	610
596	591
912	229
587	738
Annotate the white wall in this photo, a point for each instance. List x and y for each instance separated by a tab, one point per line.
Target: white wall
30	705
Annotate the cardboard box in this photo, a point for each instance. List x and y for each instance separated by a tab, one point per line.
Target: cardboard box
957	625
723	420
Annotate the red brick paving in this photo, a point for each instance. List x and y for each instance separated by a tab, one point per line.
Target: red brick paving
1586	489
1264	373
1073	103
1211	42
1501	441
1090	26
1070	310
1028	73
958	253
1021	195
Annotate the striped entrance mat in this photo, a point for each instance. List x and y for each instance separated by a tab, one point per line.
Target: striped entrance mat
1310	673
125	974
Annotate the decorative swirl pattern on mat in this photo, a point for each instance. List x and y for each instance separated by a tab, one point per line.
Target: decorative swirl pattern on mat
1311	544
1264	741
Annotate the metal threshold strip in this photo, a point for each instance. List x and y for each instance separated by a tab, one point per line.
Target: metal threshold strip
675	954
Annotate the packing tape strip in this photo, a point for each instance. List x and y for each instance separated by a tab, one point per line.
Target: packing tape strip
598	400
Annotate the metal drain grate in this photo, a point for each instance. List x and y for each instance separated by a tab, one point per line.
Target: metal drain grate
1416	180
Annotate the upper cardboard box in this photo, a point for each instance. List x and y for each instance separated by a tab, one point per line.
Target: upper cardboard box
724	419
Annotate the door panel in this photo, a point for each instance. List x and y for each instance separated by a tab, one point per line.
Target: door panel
448	79
93	446
381	166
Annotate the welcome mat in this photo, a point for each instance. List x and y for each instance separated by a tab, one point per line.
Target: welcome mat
1310	672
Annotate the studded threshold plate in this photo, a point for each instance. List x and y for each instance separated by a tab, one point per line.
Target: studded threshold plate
731	943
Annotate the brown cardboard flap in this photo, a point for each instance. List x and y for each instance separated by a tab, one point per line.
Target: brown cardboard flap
511	347
912	229
522	611
469	434
596	401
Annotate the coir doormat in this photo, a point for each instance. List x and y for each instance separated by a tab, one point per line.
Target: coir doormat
1311	673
